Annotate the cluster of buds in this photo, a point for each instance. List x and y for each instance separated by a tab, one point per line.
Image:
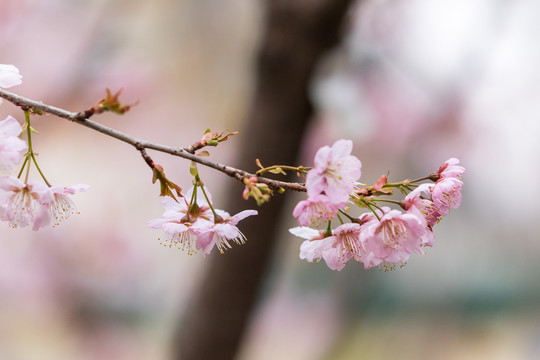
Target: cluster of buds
382	237
110	103
29	202
258	191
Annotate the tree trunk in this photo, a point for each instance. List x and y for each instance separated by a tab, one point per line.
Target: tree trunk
298	33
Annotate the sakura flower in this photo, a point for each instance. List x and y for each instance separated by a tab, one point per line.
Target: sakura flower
336	250
450	169
393	238
312	249
181	224
426	206
9	76
11	145
335	172
23	204
315	209
222	231
446	194
61	207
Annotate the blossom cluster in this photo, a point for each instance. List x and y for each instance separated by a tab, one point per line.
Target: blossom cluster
28	202
382	237
194	224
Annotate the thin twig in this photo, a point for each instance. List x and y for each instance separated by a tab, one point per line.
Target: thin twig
81	118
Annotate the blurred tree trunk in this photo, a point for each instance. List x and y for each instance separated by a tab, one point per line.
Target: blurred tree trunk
298	33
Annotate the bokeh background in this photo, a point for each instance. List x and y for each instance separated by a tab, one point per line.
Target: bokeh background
413	83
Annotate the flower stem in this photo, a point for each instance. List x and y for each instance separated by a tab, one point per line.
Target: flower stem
299	169
30	150
217	218
347	215
370	206
388	200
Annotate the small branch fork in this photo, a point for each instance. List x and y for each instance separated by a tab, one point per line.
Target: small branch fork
82	118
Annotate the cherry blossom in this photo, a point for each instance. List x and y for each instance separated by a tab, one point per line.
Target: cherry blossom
316	208
223	230
393	238
181	223
426	206
451	169
23	204
335	172
61	207
446	194
312	249
336	250
11	146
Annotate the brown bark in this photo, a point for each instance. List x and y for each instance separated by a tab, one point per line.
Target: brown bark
298	33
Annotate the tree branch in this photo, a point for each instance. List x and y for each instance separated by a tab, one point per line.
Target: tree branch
82	118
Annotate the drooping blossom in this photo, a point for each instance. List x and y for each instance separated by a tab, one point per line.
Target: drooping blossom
194	227
315	209
11	146
334	173
336	250
220	232
181	223
316	243
61	207
392	239
24	204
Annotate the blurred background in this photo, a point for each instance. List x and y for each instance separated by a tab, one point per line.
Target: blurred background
412	83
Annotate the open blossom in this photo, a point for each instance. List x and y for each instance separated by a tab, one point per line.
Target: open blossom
316	243
11	146
334	172
426	206
61	207
336	250
446	194
393	238
220	232
194	227
182	224
24	204
315	209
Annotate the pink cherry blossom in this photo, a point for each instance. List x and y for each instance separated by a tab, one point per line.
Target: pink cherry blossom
23	204
11	146
336	250
312	249
334	172
450	169
446	194
61	207
316	208
426	206
393	238
180	227
223	231
9	76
